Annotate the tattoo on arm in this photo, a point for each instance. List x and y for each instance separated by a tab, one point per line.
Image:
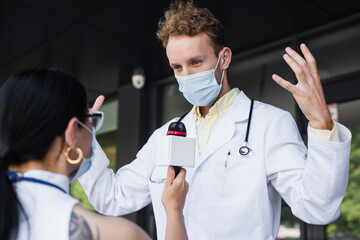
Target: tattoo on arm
80	229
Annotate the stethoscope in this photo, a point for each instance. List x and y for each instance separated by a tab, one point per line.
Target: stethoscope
245	150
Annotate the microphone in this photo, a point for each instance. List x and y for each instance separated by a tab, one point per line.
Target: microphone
175	149
177	129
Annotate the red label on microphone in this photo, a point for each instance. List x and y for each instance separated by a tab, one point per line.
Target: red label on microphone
176	133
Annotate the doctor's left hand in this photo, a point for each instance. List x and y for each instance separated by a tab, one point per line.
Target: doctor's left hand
308	91
175	190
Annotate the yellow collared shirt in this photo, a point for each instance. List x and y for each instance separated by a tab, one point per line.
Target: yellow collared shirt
206	126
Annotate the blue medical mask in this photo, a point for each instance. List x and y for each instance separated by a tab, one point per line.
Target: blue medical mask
201	89
86	162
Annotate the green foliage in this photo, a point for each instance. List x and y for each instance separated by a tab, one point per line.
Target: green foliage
287	217
348	224
78	193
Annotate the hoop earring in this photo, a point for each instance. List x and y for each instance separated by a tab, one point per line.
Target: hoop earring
78	151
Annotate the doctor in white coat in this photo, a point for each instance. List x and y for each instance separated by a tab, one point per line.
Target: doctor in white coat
233	196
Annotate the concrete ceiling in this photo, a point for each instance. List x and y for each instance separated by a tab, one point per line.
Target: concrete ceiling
102	42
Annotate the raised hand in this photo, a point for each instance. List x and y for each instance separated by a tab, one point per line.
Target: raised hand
308	91
98	103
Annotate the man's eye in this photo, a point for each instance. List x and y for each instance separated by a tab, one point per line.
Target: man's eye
176	67
196	62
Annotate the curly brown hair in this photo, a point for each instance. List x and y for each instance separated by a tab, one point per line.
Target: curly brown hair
183	18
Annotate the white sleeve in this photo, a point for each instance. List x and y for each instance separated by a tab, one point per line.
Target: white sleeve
118	193
312	181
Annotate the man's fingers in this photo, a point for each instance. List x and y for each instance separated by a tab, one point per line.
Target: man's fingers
98	103
299	71
299	66
296	57
309	58
285	84
311	63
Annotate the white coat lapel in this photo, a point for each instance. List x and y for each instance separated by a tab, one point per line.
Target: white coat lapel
226	128
222	134
189	122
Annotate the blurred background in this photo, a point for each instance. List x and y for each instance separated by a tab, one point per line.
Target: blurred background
104	43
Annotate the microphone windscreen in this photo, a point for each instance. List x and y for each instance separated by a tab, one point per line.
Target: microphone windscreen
177	129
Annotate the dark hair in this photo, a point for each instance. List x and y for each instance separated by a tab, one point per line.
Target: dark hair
184	18
35	107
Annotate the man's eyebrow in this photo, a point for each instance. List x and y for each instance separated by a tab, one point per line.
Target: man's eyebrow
174	64
199	57
195	58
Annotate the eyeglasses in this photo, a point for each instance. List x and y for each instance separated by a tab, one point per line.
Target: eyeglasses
96	119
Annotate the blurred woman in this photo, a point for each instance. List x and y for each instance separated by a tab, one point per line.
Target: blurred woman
47	135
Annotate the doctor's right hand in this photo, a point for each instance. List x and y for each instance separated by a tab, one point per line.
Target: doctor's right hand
175	191
98	103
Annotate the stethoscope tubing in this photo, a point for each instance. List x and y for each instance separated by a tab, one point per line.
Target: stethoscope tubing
245	150
249	121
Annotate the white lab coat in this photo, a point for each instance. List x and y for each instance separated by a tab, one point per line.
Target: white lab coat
243	200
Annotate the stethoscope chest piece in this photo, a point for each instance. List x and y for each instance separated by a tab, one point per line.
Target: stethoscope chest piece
244	150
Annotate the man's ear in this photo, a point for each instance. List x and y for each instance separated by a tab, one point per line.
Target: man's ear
226	58
70	133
